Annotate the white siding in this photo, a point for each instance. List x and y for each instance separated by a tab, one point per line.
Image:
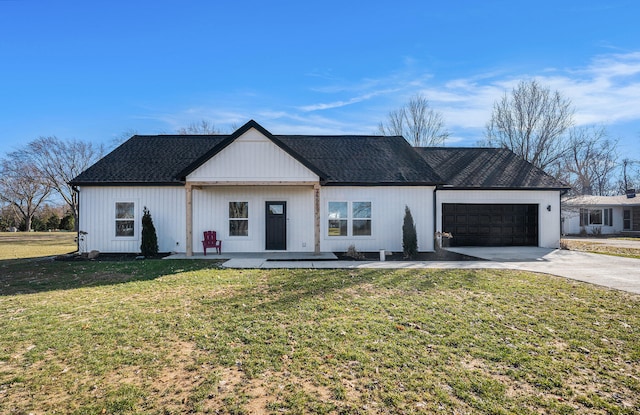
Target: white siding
548	221
571	221
387	211
97	216
252	157
211	212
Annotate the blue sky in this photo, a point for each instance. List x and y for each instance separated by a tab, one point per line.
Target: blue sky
96	70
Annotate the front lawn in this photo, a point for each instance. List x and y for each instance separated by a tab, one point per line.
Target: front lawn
16	245
163	337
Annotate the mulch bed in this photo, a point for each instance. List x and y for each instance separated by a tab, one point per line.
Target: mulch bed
440	255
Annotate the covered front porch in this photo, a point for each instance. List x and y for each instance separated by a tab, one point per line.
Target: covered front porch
275	218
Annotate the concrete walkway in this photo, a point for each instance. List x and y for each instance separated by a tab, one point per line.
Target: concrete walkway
609	271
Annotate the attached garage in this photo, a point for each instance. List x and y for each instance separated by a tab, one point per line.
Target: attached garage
480	224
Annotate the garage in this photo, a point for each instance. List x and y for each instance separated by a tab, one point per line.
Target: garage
476	224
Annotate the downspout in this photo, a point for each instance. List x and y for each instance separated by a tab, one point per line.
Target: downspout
435	216
77	224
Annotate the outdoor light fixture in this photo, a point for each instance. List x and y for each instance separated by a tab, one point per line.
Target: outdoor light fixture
549	208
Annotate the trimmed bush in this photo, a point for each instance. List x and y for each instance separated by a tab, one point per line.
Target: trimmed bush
149	245
409	235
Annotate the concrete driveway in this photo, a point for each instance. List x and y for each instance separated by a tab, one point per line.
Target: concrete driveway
609	271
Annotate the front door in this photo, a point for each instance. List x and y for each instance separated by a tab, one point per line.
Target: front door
276	226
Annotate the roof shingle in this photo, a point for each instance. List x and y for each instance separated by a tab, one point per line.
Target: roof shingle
484	168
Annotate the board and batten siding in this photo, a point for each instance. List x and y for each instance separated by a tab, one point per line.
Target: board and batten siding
548	221
97	216
387	215
252	157
211	212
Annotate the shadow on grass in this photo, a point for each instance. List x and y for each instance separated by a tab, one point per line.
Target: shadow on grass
35	275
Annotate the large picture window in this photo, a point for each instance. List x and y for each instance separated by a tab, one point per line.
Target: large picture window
238	218
596	217
349	219
125	219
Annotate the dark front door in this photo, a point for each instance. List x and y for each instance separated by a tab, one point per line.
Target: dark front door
276	226
491	224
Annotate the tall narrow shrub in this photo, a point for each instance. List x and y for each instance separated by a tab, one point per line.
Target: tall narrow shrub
149	245
409	235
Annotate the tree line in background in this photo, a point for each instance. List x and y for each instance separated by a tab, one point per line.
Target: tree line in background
538	125
37	175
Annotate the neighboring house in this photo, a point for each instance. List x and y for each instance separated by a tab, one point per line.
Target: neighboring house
265	192
595	215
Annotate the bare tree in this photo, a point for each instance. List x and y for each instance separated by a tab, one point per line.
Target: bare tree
204	127
22	187
417	122
630	170
531	121
590	162
58	161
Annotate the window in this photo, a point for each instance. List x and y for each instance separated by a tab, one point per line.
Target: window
349	219
338	220
361	224
596	217
626	220
238	218
125	219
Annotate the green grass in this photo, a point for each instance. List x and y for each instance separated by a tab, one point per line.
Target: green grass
17	245
163	337
600	248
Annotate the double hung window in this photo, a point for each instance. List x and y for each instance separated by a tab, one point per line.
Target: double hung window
349	219
238	218
125	219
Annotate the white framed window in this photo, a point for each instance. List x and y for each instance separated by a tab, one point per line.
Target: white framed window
349	219
590	217
125	219
238	218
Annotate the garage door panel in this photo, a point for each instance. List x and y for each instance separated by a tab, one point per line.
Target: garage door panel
491	224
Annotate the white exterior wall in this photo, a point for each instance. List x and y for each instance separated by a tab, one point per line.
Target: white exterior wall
97	216
387	215
571	218
252	157
548	221
211	212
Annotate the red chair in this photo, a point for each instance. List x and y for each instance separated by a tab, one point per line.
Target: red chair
211	241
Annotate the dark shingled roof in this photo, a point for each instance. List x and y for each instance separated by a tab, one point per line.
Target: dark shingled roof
149	160
484	168
340	160
363	159
337	160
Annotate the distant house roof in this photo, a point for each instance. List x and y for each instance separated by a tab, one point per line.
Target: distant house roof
336	159
588	200
486	168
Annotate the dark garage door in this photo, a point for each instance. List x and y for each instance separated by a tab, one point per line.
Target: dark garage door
475	224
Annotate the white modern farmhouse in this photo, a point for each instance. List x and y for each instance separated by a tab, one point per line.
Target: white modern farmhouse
303	193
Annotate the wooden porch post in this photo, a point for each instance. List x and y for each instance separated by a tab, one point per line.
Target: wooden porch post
316	218
189	189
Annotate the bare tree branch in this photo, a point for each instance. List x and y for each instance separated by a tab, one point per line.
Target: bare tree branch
590	163
22	187
531	121
58	162
203	127
417	122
